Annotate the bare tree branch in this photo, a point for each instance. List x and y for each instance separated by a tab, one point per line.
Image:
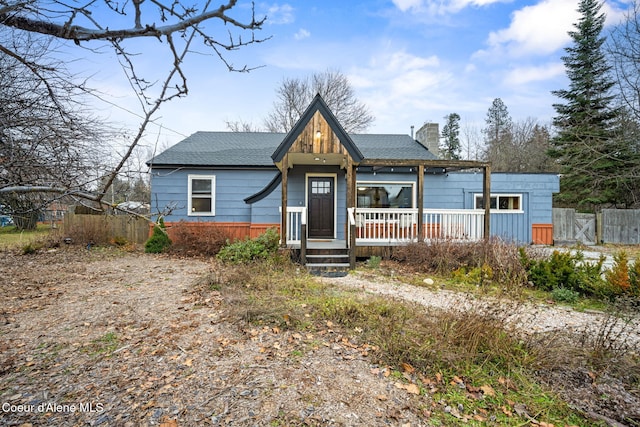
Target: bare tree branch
42	159
17	16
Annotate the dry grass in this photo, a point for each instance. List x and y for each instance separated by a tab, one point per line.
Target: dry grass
485	262
478	343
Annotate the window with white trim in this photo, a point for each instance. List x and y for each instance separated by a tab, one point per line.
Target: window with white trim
500	202
202	191
385	194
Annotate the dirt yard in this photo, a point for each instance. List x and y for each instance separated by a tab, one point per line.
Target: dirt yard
104	338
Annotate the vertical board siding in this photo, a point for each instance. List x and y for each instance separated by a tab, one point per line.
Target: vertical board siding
542	234
233	230
308	142
536	190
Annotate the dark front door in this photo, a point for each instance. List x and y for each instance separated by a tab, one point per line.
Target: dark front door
321	209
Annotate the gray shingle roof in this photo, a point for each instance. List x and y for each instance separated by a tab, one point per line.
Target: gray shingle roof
256	148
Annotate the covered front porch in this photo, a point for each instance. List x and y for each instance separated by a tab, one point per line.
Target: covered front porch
383	227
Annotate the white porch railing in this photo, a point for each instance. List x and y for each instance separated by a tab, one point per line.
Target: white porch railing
376	226
296	216
394	226
454	224
386	225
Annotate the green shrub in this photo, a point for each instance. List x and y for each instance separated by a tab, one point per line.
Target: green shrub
159	241
564	270
374	262
565	295
245	251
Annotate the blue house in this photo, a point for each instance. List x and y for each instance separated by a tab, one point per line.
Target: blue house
351	192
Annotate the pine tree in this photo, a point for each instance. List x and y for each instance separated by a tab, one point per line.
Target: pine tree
584	143
498	135
451	137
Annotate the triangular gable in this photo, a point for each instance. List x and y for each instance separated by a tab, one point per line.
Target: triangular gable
317	106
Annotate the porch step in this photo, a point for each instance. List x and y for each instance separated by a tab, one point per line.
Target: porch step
328	259
328	269
328	262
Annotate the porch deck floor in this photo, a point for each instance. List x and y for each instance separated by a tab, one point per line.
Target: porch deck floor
342	244
323	244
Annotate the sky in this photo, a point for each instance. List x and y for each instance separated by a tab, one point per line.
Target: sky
408	61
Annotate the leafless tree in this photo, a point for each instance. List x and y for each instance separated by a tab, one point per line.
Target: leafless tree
624	49
471	141
176	25
525	149
46	143
294	95
241	126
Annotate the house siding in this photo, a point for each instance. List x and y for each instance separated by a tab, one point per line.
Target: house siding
442	191
536	191
170	188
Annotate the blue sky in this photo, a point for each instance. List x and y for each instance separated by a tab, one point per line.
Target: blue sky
409	61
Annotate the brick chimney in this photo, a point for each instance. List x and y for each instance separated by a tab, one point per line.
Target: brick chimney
429	136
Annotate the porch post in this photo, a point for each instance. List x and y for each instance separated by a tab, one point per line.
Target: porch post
420	203
351	203
486	195
283	215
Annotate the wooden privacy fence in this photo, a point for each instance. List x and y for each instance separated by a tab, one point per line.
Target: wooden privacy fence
621	226
105	228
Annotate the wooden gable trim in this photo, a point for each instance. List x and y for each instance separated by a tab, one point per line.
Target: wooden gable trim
332	142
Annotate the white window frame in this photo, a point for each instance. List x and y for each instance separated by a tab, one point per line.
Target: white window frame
476	196
190	179
412	184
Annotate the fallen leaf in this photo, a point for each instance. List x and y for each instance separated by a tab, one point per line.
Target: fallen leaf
521	409
188	362
408	368
488	390
412	388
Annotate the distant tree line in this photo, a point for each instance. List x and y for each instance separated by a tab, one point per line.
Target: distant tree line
594	139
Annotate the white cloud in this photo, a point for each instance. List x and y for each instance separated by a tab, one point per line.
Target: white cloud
405	5
434	7
397	85
301	34
538	29
524	75
280	14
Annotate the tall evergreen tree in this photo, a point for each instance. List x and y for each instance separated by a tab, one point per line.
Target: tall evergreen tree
451	148
584	146
498	135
